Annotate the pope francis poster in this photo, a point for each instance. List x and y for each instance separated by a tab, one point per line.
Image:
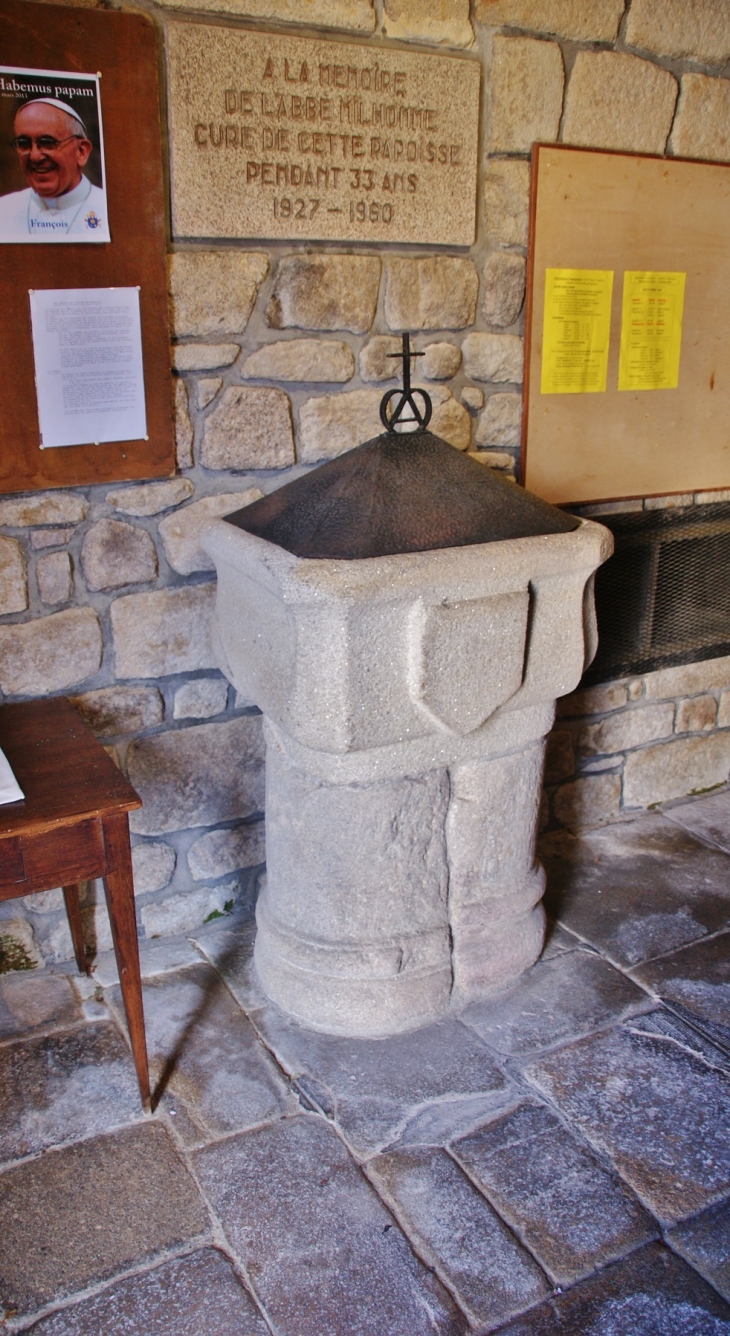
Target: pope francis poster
52	171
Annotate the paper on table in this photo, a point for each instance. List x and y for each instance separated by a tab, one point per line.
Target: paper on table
10	790
651	330
576	330
87	344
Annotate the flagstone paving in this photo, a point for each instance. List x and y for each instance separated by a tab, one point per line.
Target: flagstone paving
556	1159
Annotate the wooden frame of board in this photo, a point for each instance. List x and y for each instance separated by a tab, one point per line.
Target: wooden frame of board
594	209
123	48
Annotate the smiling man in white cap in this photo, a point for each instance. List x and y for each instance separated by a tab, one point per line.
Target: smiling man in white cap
60	204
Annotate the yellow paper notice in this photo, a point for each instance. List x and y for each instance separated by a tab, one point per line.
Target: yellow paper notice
651	331
576	330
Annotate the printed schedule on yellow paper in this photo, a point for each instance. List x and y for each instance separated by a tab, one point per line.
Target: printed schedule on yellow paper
576	330
651	331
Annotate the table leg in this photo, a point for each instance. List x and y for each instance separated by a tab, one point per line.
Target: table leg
73	911
119	888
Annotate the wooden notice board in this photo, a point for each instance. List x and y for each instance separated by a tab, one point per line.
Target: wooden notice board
624	213
122	48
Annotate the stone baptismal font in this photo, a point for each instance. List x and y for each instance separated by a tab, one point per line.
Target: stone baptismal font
405	619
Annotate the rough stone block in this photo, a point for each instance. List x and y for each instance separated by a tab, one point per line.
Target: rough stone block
197	776
68	1195
681	29
702	124
169	631
55	580
433	292
620	102
328	1243
450	419
696	715
42	508
13	586
249	428
223	851
626	729
472	398
723	710
588	801
51	653
113	710
200	699
206	389
572	1214
213	292
353	15
496	357
527	94
41	538
441	361
333	423
305	360
325	292
504	288
153	864
689	679
507	201
501	420
578	20
377	358
181	913
181	532
495	459
183	426
672	769
114	554
456	1230
150	498
443	21
204	356
594	700
18	949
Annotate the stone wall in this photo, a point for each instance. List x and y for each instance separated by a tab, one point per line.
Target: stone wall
280	354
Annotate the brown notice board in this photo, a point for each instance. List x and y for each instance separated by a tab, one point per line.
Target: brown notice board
599	210
122	48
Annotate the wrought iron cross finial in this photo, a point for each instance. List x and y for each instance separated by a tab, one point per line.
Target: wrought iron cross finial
406	395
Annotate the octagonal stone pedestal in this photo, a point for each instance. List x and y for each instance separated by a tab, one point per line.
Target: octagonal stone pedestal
406	703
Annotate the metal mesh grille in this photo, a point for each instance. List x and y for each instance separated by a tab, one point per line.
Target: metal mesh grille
663	598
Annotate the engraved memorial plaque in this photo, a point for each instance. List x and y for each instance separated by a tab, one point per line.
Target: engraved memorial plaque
277	136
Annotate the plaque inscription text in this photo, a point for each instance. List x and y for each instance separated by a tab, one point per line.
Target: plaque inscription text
284	137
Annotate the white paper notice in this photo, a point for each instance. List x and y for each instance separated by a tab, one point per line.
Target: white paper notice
87	344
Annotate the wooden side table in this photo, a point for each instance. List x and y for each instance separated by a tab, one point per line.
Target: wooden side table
72	826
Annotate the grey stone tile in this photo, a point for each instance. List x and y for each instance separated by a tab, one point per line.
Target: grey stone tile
696	981
705	1242
196	1295
638	889
63	1087
456	1231
438	1123
172	953
556	1000
650	1097
228	945
206	1054
374	1087
572	1213
322	1252
78	1215
558	940
34	1001
651	1293
707	818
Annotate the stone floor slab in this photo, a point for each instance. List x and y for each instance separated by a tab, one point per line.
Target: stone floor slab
228	945
651	1293
79	1215
649	1096
558	941
374	1087
705	1242
696	982
456	1231
206	1054
172	953
638	889
195	1295
323	1254
558	999
572	1213
34	1001
64	1087
707	818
